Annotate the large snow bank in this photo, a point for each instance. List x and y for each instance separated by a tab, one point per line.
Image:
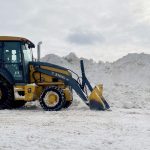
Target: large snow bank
126	81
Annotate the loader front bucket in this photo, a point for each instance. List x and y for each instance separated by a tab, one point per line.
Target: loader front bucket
96	99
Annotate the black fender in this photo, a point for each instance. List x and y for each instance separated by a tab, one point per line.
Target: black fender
7	76
47	64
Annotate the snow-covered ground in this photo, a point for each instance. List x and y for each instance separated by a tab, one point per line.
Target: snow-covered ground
75	128
126	127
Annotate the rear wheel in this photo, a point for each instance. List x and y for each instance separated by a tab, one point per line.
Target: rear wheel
6	95
52	99
18	103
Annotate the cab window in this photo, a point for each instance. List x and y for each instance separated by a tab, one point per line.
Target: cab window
12	59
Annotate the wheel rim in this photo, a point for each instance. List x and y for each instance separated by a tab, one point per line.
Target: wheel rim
51	99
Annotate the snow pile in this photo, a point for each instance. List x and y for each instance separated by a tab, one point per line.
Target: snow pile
126	81
133	68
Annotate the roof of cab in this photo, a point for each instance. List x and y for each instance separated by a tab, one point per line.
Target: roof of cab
13	38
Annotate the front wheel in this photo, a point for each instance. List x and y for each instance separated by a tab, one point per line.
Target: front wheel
67	104
52	99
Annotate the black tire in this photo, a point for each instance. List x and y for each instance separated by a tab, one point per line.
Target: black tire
18	103
6	96
67	104
60	99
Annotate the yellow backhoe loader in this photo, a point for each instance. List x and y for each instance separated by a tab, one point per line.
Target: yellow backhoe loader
23	79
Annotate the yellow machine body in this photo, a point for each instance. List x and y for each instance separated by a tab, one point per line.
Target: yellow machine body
27	92
32	91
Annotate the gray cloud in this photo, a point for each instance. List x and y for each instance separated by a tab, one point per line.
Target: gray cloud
106	29
85	38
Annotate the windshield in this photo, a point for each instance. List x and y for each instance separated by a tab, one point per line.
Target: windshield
27	53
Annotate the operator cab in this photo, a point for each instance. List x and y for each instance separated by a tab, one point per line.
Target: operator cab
15	54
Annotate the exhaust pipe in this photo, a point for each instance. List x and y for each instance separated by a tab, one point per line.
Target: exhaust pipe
39	51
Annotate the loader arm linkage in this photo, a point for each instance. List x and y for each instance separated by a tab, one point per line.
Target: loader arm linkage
97	103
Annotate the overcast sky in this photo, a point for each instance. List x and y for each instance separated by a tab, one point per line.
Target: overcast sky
99	29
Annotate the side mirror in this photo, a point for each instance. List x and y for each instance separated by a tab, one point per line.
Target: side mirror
39	50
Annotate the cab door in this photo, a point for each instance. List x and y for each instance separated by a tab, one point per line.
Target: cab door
13	59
